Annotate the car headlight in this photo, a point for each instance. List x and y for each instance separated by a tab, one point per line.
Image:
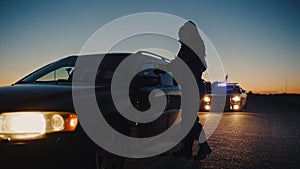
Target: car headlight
207	107
30	125
236	98
206	99
236	107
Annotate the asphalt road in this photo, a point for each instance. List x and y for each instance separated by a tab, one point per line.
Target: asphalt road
266	135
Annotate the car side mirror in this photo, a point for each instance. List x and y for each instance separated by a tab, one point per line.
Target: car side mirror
69	71
243	91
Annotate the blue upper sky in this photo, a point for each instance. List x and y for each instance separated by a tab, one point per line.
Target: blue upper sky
258	41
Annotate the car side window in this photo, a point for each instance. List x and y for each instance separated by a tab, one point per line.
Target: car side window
60	74
146	77
236	89
167	79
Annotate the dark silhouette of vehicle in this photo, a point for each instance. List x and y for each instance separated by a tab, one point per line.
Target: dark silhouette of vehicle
235	97
39	127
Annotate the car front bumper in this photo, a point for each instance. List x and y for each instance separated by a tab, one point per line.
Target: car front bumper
57	150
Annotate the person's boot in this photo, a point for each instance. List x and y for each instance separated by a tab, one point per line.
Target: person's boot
203	152
195	148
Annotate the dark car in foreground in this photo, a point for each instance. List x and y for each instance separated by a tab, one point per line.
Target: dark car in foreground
39	127
232	94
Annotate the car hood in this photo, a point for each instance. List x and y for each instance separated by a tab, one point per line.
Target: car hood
34	97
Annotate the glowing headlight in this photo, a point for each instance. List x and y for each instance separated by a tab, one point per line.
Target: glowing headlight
15	123
29	125
236	107
207	107
206	99
236	98
57	122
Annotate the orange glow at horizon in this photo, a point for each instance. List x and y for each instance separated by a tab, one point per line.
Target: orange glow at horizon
254	85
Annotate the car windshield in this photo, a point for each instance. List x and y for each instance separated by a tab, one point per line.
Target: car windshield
221	89
232	89
61	71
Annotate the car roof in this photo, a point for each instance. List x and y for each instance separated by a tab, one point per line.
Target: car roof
144	53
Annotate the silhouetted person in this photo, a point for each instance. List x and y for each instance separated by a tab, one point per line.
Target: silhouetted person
192	52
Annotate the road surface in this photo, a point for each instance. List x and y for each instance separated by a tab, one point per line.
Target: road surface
266	135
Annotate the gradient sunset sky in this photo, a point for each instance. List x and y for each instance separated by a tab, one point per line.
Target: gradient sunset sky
258	41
